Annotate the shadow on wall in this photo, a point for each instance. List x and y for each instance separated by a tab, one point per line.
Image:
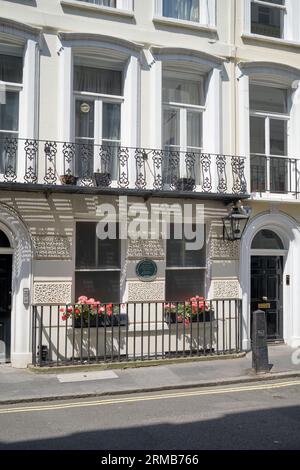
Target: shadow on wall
266	429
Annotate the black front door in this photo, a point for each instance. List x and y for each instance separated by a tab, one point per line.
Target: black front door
5	306
266	292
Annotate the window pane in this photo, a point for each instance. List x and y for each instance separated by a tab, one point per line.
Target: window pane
258	174
85	245
111	121
178	90
267	240
257	135
181	9
109	253
263	98
171	129
11	68
184	284
266	20
108	82
102	286
178	256
278	137
279	175
84	118
4	241
194	129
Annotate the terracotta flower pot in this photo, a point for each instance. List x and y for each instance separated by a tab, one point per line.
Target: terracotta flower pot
68	179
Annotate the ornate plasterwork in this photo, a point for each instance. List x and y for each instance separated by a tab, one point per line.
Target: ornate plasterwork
223	249
226	289
138	249
52	292
52	247
146	291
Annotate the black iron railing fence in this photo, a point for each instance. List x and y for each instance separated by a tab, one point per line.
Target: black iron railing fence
68	335
83	163
275	175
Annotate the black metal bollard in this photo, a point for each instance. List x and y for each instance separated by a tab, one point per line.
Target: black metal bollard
260	359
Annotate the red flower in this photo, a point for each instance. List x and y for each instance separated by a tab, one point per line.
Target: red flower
62	310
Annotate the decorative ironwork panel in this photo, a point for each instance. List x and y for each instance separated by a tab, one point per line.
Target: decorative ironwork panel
10	159
221	169
171	168
123	157
206	180
69	150
239	185
50	152
157	159
141	158
31	153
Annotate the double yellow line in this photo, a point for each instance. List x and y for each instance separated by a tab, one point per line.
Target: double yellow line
136	399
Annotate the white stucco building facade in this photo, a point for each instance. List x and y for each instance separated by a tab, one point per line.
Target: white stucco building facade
204	93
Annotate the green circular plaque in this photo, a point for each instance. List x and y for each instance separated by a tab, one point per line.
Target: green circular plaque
146	270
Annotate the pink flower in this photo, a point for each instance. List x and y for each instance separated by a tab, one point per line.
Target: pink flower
62	310
82	299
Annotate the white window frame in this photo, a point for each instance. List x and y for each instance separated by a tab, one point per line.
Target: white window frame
121	5
27	98
267	116
207	14
99	99
183	109
286	8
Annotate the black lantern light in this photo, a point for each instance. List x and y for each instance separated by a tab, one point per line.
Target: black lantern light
235	223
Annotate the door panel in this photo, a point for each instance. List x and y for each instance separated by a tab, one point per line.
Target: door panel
266	288
5	306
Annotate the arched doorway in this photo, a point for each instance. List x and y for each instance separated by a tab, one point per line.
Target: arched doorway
6	253
267	262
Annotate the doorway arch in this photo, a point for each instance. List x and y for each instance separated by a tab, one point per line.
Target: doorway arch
287	230
267	261
6	253
20	249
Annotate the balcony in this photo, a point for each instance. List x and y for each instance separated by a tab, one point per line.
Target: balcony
278	176
82	166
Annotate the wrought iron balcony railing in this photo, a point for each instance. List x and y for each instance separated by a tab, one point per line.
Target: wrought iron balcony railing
82	163
275	175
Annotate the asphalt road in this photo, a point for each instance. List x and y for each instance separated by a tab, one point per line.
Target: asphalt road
255	416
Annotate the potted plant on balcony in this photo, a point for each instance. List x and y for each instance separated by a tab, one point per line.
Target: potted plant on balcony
185	184
68	179
102	179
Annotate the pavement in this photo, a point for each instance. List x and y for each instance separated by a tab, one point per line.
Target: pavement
22	385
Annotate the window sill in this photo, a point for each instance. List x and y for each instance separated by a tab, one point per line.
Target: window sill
184	24
270	40
97	8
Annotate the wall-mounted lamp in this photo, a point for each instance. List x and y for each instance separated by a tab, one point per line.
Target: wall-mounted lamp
235	222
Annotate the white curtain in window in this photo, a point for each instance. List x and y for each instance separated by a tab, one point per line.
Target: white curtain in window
181	9
89	79
182	91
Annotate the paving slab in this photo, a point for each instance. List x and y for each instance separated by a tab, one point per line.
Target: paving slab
23	385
